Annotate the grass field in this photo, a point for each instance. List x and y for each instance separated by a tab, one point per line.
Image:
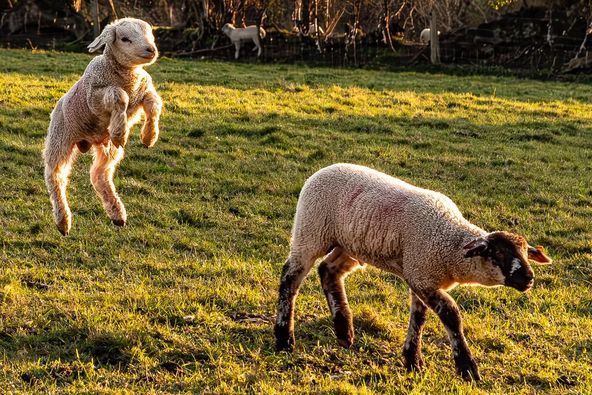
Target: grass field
182	299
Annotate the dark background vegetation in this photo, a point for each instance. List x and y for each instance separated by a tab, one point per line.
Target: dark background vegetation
547	35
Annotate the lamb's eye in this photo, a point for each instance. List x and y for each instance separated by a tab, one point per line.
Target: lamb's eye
126	40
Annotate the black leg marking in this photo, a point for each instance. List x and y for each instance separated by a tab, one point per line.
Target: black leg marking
412	349
284	326
449	314
332	276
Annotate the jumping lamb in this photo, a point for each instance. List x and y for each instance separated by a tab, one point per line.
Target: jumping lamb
239	35
356	214
98	112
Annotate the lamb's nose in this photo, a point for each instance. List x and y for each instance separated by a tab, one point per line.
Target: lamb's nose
150	49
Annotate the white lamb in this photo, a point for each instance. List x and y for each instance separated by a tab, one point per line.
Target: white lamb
424	36
356	214
239	35
98	112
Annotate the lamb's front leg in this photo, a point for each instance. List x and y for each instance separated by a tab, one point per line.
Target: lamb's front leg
115	101
152	104
237	47
448	312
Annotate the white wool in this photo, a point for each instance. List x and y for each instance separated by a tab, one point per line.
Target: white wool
424	36
413	232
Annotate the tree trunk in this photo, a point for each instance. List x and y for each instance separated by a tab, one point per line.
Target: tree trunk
305	16
327	14
94	10
434	40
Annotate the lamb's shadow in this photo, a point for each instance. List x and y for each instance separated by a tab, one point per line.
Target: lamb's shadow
313	332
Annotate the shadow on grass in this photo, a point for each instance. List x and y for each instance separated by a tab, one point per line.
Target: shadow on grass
68	343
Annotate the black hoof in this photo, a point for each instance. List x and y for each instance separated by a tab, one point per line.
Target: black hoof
118	222
284	340
283	346
414	364
469	371
343	329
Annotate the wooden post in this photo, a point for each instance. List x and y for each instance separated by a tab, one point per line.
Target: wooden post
434	40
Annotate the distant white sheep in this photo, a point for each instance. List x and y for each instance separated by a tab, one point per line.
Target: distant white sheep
356	214
98	112
424	36
312	29
239	35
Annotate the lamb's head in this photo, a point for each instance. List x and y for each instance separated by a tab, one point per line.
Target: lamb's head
130	41
227	28
504	257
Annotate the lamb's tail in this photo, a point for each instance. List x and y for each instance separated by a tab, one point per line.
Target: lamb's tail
261	32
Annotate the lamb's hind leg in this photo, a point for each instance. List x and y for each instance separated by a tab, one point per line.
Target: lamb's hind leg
412	348
257	43
101	175
295	269
332	271
59	154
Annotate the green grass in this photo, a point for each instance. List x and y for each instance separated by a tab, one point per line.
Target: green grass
182	298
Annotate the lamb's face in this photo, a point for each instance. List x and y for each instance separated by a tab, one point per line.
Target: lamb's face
505	259
509	252
133	44
226	29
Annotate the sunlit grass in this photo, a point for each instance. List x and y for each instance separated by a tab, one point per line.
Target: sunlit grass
181	299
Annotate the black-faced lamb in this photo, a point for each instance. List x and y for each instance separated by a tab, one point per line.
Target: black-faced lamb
356	214
98	112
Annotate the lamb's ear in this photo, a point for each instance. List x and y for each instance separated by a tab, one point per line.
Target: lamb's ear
538	255
477	247
106	36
